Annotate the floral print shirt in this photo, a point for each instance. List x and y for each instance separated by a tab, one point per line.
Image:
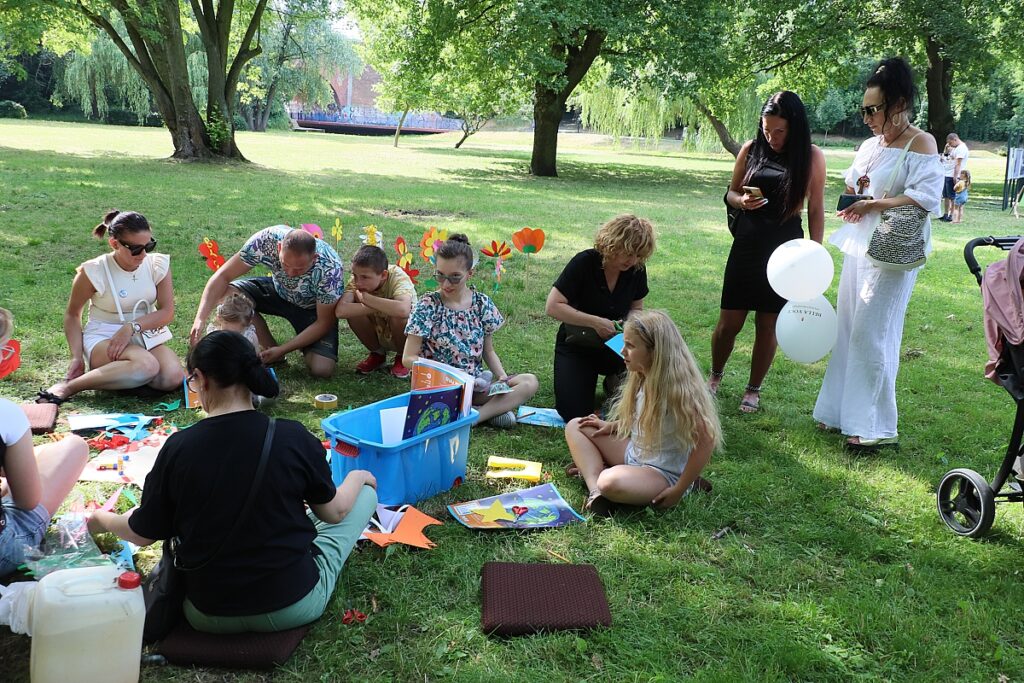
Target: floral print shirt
324	283
454	337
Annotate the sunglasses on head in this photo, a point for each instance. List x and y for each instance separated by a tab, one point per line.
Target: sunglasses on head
454	279
137	249
871	110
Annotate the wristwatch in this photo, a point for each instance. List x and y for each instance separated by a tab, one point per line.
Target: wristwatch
136	328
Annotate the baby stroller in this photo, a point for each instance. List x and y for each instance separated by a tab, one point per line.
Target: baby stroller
966	501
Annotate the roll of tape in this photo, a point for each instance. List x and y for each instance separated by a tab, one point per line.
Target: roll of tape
323	401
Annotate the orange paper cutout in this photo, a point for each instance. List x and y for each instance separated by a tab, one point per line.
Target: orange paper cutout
528	240
408	531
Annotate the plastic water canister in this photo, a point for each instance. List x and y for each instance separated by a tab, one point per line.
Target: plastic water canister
87	626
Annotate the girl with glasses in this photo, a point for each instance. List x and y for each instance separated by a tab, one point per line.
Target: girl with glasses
128	291
455	324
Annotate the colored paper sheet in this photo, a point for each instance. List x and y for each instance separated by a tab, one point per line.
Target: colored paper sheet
539	417
616	343
538	507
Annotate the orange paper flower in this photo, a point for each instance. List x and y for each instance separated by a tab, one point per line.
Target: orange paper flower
528	240
428	243
496	250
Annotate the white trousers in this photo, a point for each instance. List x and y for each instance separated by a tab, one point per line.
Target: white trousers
858	394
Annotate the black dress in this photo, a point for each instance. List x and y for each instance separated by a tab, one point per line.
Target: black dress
758	234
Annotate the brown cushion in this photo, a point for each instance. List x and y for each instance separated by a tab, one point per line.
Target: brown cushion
527	598
42	417
187	647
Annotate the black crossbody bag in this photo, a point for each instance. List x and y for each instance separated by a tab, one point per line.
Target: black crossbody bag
164	588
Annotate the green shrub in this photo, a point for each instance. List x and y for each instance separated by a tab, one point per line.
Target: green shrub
12	110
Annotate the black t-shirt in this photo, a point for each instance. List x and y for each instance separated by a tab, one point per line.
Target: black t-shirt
198	485
583	284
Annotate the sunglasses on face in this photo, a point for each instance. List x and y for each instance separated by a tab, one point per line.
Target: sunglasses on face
454	279
137	249
865	112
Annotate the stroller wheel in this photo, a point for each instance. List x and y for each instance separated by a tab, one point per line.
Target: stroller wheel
966	502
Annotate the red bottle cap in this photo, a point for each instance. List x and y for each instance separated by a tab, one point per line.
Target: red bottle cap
129	580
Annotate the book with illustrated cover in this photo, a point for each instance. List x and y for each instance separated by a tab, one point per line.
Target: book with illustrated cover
432	408
432	374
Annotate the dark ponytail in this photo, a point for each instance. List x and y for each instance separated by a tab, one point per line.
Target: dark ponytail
229	360
117	223
457	246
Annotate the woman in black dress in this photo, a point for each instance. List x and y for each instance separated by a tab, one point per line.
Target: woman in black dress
785	168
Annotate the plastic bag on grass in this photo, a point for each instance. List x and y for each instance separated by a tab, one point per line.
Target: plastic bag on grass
66	545
16	606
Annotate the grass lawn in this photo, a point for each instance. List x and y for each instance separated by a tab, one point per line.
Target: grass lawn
831	567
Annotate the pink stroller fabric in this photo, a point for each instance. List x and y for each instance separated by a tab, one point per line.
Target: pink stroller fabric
1002	293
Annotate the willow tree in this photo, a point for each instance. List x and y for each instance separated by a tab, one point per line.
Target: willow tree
90	76
152	34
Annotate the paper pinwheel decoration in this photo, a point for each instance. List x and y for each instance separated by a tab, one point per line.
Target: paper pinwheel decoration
313	229
528	240
497	250
372	236
404	255
209	250
336	230
429	242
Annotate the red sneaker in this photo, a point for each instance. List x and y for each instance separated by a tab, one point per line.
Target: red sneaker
371	363
398	370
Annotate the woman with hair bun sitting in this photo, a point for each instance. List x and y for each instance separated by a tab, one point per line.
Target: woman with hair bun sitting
273	566
129	292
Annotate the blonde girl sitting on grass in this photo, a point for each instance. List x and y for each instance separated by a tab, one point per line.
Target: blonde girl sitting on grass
662	429
235	314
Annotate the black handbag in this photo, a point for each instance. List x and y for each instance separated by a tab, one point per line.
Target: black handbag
732	214
164	588
581	335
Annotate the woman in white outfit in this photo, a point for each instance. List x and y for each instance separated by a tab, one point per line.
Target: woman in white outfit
858	394
141	299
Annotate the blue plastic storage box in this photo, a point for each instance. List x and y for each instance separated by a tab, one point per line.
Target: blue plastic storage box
408	471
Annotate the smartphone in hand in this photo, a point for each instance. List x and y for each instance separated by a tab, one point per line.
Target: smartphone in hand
753	191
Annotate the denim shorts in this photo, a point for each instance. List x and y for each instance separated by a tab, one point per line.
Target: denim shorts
268	301
947	187
24	527
961	198
633	461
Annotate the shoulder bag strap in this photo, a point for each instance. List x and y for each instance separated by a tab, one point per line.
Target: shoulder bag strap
113	289
244	512
896	168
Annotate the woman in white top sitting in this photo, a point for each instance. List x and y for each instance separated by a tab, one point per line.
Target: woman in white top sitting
141	299
858	394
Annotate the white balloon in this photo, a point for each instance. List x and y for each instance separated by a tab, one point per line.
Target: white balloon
799	270
806	330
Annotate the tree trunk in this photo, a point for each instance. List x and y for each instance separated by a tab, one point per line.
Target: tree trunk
547	115
465	134
939	85
401	122
724	136
549	104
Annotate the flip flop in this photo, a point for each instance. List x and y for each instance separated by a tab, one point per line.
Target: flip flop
598	505
45	396
872	445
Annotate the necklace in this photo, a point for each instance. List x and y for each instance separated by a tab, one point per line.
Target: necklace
864	182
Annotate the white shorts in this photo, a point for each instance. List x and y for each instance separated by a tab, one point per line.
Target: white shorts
96	331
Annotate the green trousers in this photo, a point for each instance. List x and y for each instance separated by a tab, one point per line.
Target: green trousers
335	542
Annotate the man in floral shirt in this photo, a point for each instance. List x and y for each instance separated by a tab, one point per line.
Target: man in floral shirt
307	279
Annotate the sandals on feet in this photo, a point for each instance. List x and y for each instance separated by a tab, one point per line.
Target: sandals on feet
871	445
748	405
571	470
44	396
715	377
598	505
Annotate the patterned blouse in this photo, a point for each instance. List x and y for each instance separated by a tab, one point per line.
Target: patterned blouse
324	283
454	337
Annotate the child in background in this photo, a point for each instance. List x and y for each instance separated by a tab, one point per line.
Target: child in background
663	427
455	324
376	304
961	189
235	314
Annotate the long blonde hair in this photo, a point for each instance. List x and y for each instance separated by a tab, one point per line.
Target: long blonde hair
673	386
